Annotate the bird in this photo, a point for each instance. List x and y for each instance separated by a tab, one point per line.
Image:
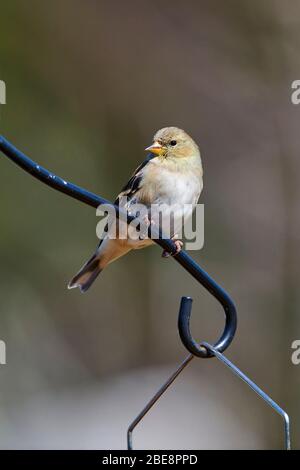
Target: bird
170	177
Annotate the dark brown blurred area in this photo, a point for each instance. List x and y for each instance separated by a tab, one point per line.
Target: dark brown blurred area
88	84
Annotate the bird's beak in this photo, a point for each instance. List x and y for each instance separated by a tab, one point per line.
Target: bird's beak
156	148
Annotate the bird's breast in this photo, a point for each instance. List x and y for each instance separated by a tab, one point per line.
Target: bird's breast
166	186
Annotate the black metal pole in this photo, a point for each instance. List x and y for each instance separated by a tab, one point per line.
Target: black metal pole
182	258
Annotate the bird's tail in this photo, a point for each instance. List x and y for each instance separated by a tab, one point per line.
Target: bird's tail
108	250
87	275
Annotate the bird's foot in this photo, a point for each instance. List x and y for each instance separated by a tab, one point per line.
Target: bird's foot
179	245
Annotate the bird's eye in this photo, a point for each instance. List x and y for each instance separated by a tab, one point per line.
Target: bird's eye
173	142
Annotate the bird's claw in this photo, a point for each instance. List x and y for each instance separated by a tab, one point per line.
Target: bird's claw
178	244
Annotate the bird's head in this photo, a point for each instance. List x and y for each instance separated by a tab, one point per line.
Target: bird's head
173	142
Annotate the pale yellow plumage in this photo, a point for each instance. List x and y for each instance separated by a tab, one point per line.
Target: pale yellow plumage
171	176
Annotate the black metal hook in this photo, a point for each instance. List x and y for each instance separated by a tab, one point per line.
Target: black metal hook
182	258
225	339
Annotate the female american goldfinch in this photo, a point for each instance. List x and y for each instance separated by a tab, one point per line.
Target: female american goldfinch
170	176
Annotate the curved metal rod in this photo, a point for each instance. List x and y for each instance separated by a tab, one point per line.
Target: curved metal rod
155	398
259	391
182	258
235	370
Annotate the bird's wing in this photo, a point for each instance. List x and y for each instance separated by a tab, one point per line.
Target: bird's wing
134	184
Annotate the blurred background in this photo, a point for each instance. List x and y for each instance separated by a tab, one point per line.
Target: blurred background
88	84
